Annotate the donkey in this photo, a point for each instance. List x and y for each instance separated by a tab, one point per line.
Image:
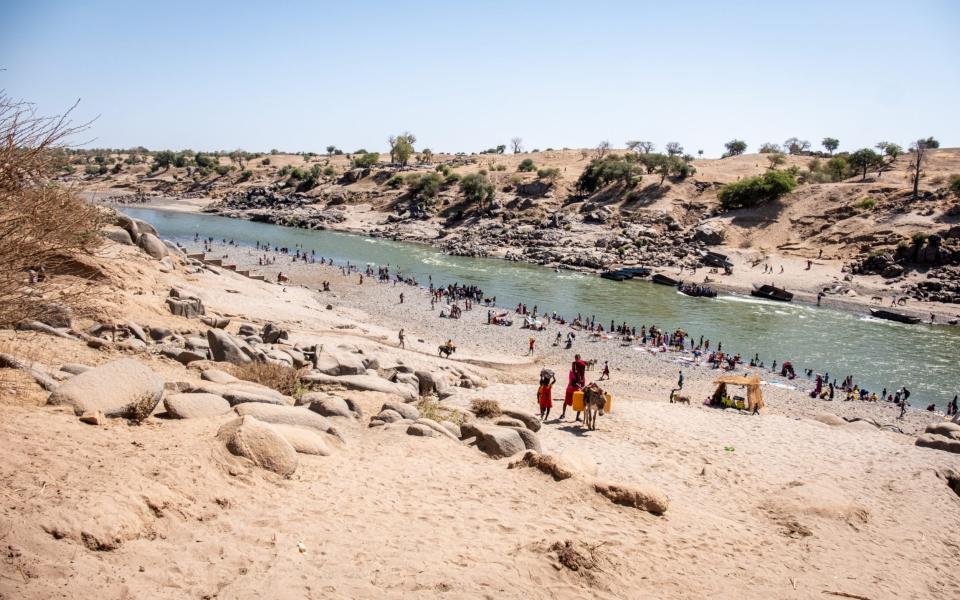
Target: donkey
593	403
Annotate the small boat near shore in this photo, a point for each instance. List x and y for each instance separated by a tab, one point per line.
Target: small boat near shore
772	292
614	275
697	291
889	315
664	280
626	273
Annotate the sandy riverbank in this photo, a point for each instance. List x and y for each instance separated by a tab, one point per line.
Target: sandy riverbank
635	368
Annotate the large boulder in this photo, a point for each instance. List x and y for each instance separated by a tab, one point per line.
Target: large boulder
337	363
710	233
226	348
644	498
500	442
120	388
152	245
117	234
258	442
938	442
186	307
367	383
145	227
303	440
387	416
193	406
437	428
530	439
240	392
218	376
287	415
329	406
129	225
272	334
408	411
421	430
530	421
431	383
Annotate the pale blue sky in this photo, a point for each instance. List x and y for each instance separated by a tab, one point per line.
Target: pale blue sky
299	76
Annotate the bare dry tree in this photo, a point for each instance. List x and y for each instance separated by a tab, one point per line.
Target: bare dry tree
517	144
44	227
915	168
602	149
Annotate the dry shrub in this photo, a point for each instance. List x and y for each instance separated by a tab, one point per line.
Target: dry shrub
43	226
485	409
431	409
282	378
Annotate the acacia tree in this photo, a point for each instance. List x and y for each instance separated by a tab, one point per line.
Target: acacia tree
517	144
477	189
831	144
238	157
700	153
401	147
796	145
640	146
915	168
862	160
674	148
426	156
734	148
776	159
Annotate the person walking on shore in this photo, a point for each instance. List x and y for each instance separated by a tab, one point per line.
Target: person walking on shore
532	343
680	381
402	343
401	297
545	393
606	371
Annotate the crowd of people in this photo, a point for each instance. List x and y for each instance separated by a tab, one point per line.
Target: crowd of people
459	297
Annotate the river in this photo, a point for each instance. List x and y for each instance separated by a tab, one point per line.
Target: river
877	353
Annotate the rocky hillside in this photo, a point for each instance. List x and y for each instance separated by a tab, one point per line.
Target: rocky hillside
537	214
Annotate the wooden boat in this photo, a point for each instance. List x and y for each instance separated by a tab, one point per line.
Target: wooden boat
697	291
664	280
614	275
635	272
894	316
715	259
772	292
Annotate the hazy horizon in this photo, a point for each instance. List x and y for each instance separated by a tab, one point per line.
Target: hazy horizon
466	78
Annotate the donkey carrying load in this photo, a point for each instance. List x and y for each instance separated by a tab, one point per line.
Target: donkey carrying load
593	402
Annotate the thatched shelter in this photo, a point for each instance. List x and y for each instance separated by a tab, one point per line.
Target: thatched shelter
752	383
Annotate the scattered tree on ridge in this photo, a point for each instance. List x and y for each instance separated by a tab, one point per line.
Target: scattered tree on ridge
831	144
517	144
734	148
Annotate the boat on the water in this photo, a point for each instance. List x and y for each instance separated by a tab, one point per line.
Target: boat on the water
772	292
636	271
626	273
664	280
894	316
614	275
697	291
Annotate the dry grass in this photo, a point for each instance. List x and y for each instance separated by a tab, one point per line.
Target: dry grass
282	378
16	386
431	409
485	409
43	227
